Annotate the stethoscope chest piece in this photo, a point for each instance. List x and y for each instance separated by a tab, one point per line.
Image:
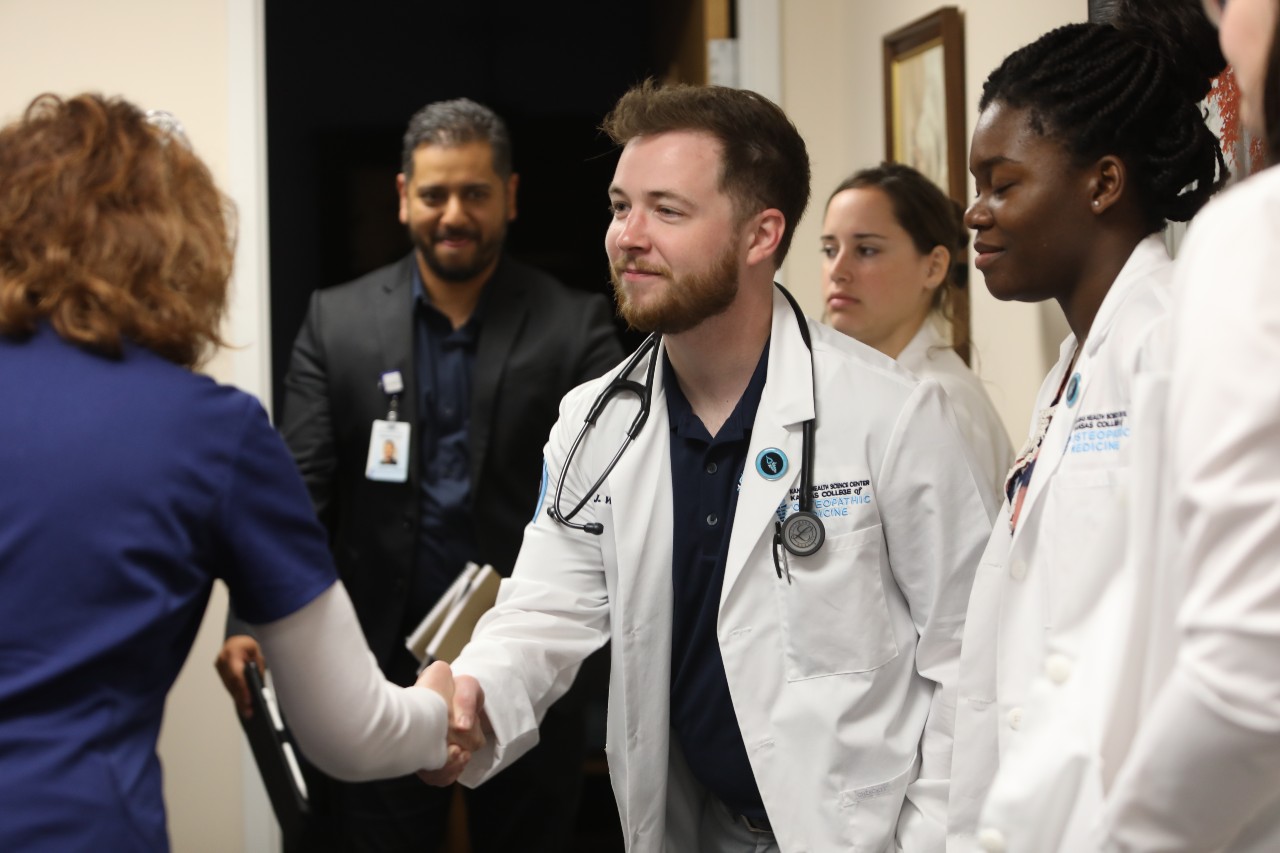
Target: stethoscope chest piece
803	533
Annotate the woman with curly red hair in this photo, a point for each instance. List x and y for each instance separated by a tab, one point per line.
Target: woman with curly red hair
128	483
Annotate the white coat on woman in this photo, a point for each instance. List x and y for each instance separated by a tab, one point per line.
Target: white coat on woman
929	356
1204	772
841	670
1044	697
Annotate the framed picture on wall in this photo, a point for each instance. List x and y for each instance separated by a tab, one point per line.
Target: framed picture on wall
924	98
924	119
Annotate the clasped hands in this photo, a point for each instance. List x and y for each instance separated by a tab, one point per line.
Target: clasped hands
467	722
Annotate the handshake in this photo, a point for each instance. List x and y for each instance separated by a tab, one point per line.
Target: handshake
467	722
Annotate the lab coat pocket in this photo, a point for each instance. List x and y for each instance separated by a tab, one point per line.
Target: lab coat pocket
1087	538
833	611
872	811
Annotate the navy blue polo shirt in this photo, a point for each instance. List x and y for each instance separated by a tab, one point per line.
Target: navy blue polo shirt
444	359
706	474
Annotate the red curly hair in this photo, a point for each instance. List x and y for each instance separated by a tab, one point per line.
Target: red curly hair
110	230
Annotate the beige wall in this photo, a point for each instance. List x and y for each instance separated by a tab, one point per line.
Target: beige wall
831	87
177	56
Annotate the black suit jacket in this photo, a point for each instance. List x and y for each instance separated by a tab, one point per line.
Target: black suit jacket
538	339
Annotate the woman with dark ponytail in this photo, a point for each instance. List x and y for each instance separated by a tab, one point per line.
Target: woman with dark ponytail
891	244
1204	770
1088	141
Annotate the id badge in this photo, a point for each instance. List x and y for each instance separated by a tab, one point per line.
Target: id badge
388	452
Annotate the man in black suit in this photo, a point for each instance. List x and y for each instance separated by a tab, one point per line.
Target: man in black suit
457	356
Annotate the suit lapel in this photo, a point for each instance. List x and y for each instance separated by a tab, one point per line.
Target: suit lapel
504	310
394	327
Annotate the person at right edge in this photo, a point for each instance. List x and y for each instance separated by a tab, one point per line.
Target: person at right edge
456	354
1203	773
1087	142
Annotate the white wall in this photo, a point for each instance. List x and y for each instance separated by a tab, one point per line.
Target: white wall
195	58
832	88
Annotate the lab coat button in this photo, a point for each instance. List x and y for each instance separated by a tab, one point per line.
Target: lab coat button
1015	718
991	840
1018	571
1058	668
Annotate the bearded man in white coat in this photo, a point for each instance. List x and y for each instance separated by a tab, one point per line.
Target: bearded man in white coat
764	695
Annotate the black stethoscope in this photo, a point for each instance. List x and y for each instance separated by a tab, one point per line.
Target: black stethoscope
801	534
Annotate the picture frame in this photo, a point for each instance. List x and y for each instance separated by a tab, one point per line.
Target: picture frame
924	122
924	118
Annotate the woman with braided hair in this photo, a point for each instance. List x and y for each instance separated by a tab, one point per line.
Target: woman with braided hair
1087	142
1204	770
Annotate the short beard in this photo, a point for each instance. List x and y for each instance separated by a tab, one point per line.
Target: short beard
688	301
486	253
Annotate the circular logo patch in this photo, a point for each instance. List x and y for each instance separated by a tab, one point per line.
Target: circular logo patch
1073	390
771	463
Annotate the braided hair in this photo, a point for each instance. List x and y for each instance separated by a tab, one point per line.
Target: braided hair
1129	87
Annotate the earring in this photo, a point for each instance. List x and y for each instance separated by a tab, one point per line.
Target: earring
1095	202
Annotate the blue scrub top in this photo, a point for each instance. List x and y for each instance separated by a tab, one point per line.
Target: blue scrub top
126	487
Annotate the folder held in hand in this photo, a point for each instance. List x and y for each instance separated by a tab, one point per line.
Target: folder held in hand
447	627
273	751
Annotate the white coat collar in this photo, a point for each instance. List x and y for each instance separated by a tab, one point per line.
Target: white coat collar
786	403
916	353
641	483
1147	257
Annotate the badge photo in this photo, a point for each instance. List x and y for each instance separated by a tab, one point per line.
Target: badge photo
388	459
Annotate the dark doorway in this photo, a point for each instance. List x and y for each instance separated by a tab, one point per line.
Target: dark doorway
343	79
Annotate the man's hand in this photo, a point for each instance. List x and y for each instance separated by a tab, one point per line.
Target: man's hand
466	722
236	652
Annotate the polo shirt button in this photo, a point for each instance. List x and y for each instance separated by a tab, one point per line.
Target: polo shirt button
712	467
1058	668
713	520
991	840
1015	718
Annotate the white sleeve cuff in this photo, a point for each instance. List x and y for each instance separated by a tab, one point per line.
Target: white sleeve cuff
348	719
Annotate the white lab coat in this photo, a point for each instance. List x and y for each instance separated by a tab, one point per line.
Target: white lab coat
929	356
842	679
1046	694
1204	772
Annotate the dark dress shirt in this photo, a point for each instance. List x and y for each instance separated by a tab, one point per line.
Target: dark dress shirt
445	359
706	474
